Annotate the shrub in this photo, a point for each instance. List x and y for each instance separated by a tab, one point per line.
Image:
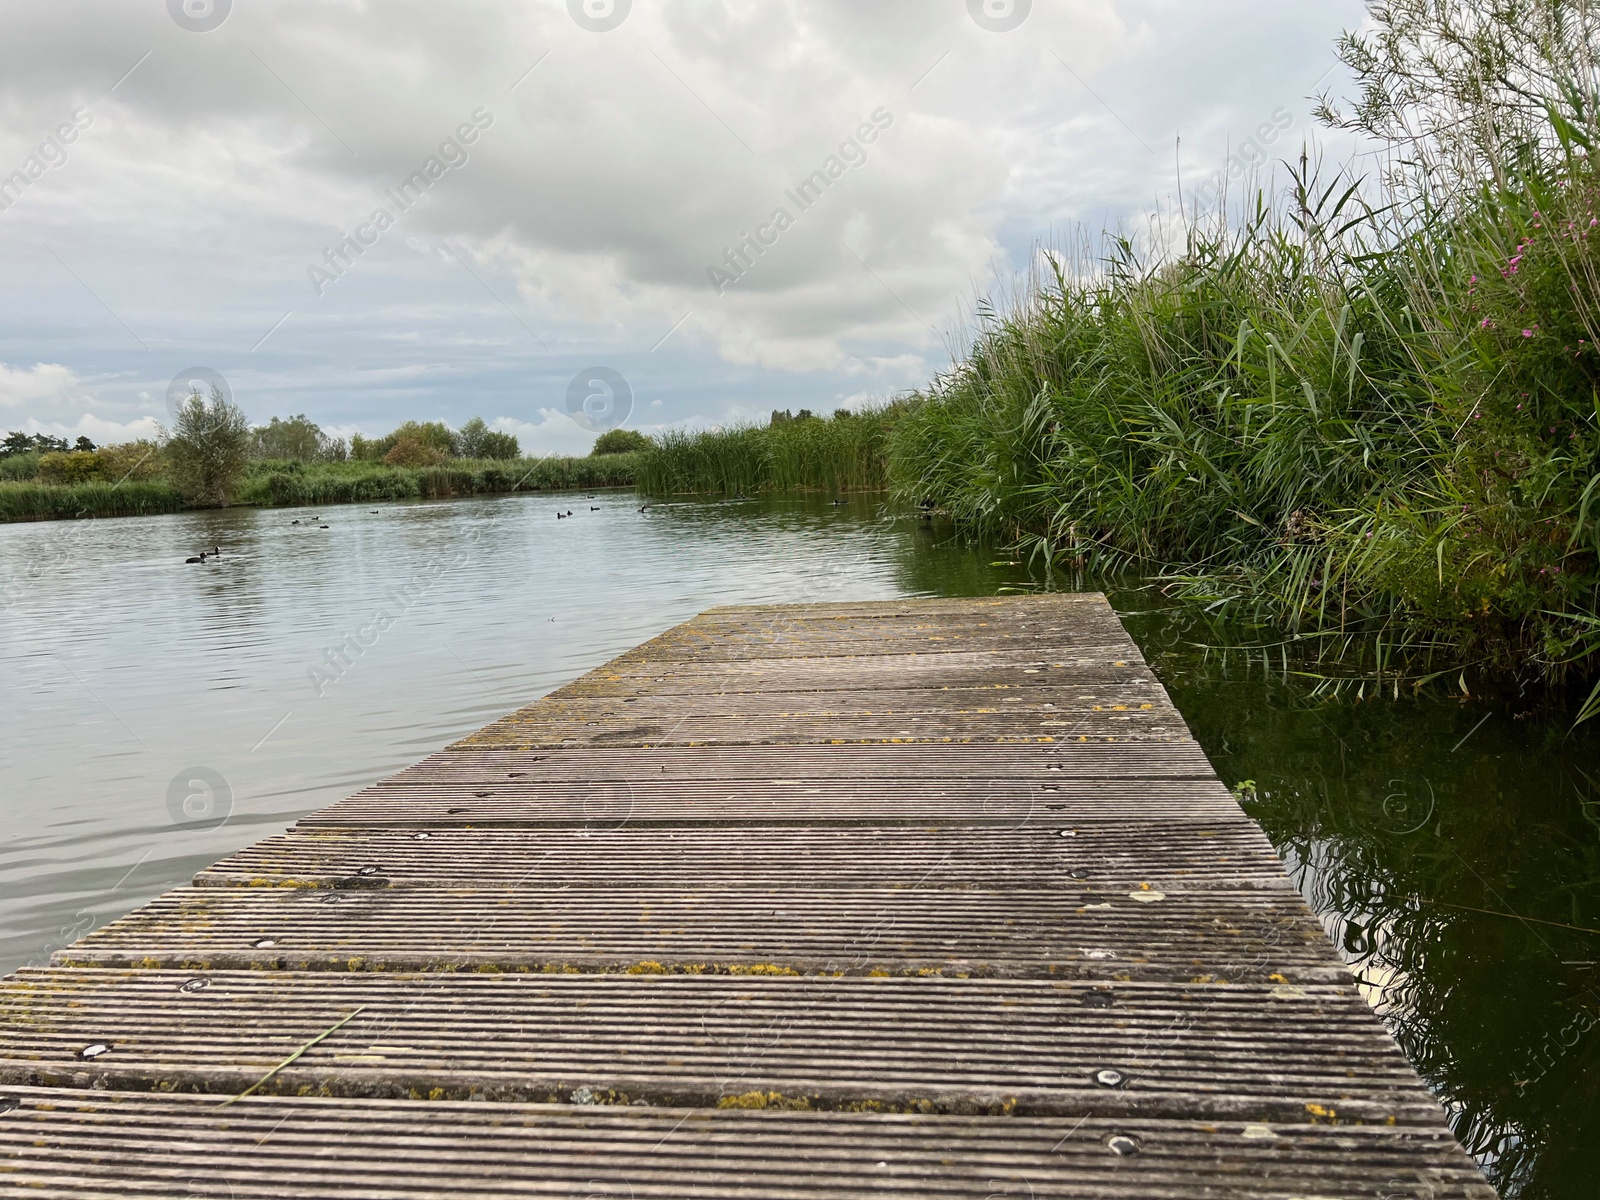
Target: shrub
299	439
139	460
477	440
74	466
620	441
209	448
19	466
410	452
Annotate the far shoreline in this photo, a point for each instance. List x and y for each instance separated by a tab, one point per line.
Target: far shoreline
289	484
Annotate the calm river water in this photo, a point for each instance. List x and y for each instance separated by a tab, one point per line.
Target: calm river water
1452	848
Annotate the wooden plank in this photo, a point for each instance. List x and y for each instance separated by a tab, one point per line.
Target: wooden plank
1090	605
97	1145
614	804
537	729
645	676
1263	1052
1076	932
1077	699
916	762
1168	855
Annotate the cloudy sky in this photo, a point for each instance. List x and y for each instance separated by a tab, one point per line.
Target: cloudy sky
182	172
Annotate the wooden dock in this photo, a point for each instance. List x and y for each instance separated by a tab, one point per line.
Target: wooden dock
931	898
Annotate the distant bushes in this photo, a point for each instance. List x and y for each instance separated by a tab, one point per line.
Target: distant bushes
72	466
20	466
409	452
128	460
294	483
299	438
425	443
620	441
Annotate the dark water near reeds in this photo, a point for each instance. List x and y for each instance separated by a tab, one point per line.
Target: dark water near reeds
1453	848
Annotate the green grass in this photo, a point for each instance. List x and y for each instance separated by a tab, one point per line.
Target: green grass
846	452
53	502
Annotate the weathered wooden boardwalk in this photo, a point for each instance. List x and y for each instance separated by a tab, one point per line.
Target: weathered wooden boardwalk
927	898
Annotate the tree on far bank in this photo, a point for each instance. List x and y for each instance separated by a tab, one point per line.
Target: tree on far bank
620	441
296	439
16	442
435	435
209	447
413	452
477	440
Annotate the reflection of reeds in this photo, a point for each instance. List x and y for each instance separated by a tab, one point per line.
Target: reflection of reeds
845	452
1471	930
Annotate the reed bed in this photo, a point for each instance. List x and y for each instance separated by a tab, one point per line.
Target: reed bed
843	453
1364	409
56	502
293	483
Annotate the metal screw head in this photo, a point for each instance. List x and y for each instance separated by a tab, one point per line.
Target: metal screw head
190	986
1123	1145
9	1104
264	944
420	837
368	871
1109	1078
96	1050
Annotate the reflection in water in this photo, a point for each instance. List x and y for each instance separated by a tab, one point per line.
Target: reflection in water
1453	851
1456	860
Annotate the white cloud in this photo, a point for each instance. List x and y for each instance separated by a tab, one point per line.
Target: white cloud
44	385
553	433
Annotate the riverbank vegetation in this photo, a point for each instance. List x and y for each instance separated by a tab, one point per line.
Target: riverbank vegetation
213	457
845	452
1370	406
